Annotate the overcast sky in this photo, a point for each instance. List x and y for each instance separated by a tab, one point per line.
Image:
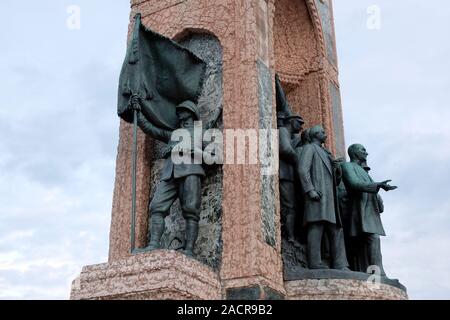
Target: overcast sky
59	134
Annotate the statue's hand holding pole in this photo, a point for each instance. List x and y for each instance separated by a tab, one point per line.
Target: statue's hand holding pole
135	104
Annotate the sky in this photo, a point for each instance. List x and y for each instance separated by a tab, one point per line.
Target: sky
59	134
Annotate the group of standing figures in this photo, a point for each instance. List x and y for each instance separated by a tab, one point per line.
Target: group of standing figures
327	204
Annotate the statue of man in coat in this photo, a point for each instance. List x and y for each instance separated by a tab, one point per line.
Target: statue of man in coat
299	143
365	205
318	173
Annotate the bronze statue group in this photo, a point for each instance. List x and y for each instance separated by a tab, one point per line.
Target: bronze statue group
329	206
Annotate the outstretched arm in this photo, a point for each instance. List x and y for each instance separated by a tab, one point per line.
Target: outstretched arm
353	182
145	125
150	129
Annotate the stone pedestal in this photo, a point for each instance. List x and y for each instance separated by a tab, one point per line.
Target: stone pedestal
341	289
163	274
155	275
303	284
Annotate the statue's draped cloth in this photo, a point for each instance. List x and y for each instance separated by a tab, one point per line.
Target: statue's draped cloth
162	73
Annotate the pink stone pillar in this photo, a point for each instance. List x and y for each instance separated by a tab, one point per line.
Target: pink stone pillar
244	31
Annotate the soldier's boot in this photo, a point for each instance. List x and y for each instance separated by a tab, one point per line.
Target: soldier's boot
290	229
191	237
157	226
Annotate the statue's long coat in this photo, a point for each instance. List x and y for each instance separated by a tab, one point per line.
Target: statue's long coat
317	173
365	204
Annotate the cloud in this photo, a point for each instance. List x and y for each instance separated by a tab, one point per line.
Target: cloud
60	134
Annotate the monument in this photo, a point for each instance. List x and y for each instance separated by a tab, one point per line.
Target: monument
230	230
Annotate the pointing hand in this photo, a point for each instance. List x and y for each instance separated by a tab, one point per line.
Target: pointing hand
386	186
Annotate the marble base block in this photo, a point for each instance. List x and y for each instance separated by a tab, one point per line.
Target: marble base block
342	289
155	275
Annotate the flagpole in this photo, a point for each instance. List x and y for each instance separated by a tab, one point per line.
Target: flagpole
133	60
133	182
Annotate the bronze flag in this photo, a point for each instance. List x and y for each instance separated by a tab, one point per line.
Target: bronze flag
162	73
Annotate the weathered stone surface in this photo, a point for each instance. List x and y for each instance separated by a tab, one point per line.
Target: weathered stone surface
253	293
303	42
156	275
325	12
299	273
270	294
297	50
341	289
268	194
293	257
245	293
338	120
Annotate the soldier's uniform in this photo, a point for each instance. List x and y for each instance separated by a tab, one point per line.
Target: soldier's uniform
181	181
288	161
288	189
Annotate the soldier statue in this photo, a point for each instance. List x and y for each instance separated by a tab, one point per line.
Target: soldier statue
319	175
289	125
178	180
363	226
299	143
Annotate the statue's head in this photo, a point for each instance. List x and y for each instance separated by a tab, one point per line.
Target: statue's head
296	124
305	137
291	121
187	112
281	117
357	152
317	133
